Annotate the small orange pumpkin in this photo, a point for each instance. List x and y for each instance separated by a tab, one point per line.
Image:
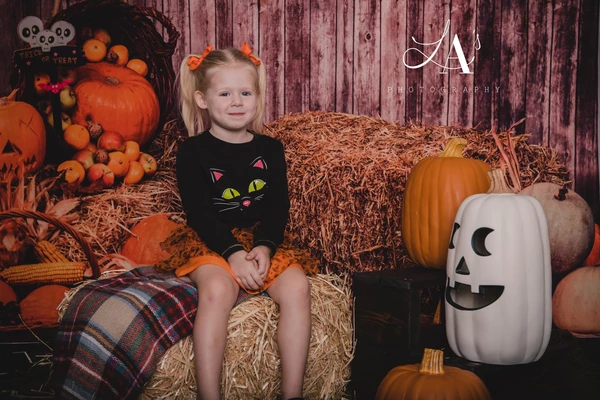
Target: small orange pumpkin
435	188
40	306
431	380
22	136
143	246
117	98
7	294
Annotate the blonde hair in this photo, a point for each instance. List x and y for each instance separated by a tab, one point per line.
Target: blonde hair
199	80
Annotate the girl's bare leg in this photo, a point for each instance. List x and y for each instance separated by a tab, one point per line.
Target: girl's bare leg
217	292
291	290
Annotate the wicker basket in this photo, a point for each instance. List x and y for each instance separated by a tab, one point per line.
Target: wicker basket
133	26
136	27
87	249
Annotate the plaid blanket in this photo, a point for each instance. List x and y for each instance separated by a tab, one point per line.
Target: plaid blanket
116	330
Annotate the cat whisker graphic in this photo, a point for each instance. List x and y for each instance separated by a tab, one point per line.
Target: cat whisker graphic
230	205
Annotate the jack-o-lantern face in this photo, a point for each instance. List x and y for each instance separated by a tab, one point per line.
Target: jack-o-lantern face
22	137
461	295
498	294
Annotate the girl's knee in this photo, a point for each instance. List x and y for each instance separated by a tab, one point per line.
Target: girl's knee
298	289
217	289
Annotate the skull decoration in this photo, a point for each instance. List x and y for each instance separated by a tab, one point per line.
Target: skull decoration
499	295
47	40
29	28
64	32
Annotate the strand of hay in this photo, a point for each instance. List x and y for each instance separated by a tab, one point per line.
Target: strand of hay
347	175
251	365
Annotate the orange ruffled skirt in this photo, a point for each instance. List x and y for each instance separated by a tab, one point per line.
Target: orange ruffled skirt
189	252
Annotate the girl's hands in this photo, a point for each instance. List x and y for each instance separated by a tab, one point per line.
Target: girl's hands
245	270
262	255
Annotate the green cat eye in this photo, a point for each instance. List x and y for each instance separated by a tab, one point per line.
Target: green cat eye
230	193
256	185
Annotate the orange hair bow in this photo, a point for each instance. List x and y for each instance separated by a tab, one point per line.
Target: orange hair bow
194	62
247	51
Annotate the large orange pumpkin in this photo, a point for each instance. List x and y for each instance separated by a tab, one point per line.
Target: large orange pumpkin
22	136
431	380
435	188
117	98
143	246
40	307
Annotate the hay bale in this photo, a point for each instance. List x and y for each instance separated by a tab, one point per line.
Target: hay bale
346	179
251	365
347	175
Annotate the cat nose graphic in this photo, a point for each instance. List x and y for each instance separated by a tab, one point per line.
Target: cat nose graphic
246	203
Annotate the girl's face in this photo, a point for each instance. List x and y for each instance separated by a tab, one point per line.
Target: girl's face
231	99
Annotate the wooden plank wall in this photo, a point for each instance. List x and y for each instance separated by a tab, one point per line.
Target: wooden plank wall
536	59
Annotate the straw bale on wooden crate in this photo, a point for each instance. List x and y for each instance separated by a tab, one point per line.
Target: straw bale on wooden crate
251	369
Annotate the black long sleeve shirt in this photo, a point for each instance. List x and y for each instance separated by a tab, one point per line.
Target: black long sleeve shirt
233	185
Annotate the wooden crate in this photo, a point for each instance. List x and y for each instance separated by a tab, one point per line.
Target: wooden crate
393	321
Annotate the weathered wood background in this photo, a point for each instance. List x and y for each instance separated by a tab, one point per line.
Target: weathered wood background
537	59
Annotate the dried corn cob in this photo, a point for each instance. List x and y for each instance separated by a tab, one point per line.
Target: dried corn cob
46	252
61	273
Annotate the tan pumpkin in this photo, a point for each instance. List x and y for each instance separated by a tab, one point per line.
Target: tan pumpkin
40	306
118	99
570	224
431	380
22	136
576	302
143	246
435	188
7	294
593	259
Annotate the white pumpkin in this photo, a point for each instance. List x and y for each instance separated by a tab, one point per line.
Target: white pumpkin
498	299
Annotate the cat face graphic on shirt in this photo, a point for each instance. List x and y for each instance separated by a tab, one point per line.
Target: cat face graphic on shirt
242	196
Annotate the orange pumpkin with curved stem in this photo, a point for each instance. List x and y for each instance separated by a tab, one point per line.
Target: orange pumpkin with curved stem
431	380
435	188
22	136
117	98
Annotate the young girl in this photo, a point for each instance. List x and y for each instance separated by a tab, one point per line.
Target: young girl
233	186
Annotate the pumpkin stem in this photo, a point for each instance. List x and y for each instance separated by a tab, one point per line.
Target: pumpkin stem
454	148
432	363
498	184
562	193
11	97
112	80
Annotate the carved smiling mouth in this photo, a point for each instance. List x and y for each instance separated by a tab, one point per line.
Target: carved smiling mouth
462	298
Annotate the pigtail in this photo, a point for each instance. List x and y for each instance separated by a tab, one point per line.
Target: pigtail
257	123
190	112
